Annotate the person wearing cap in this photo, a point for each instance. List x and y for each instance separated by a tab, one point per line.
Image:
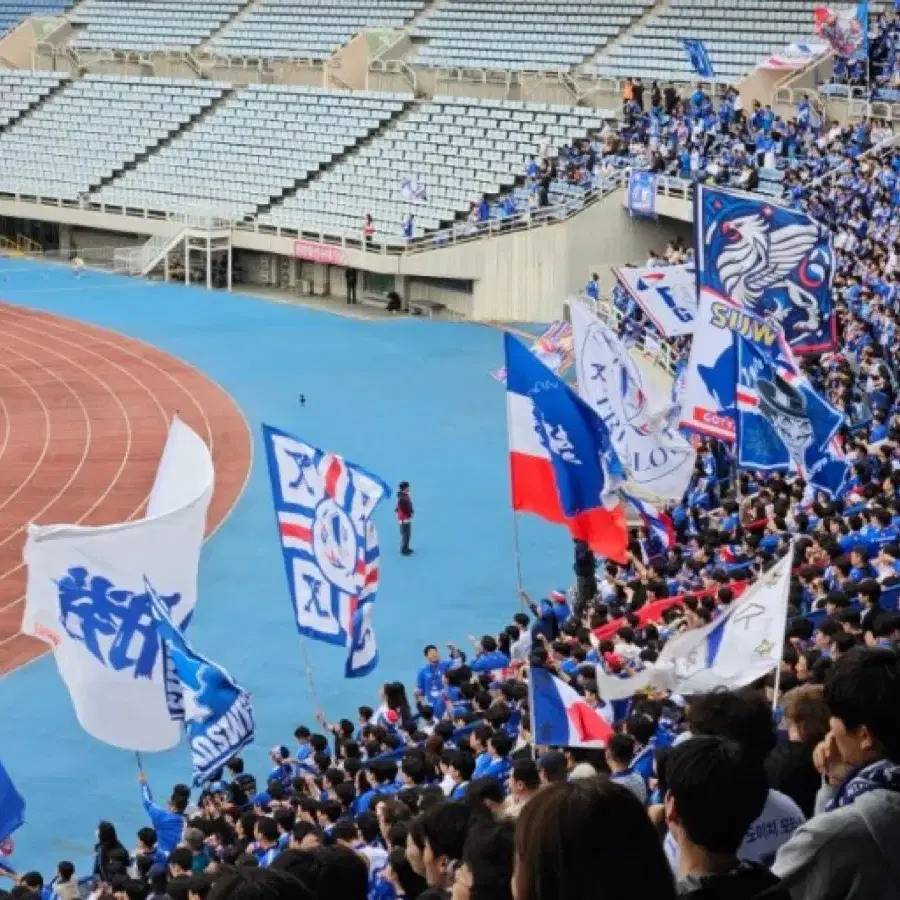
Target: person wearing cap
552	766
404	511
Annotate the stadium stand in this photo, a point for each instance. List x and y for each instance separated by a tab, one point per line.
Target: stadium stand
149	25
306	29
93	128
458	149
20	91
522	35
653	48
13	11
252	148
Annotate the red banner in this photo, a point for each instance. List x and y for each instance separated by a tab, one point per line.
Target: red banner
320	253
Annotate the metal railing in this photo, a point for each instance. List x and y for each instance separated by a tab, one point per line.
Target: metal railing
459	232
658	350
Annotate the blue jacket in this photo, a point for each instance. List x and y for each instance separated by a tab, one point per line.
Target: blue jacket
168	825
487	662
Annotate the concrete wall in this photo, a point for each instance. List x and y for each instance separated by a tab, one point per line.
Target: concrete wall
516	276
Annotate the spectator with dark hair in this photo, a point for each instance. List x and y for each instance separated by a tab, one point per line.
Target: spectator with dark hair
619	753
845	852
487	863
65	886
790	765
745	717
253	883
444	828
588	839
715	790
524	782
107	842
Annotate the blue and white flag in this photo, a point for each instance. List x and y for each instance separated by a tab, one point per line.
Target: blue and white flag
743	644
86	598
217	714
641	194
12	806
699	58
658	524
657	458
668	295
774	261
783	425
323	505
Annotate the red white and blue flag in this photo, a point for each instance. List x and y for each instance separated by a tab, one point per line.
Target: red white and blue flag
561	716
323	505
659	524
563	465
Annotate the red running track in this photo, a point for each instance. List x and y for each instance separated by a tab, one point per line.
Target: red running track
84	414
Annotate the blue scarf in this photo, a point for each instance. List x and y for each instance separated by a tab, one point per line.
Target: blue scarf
881	775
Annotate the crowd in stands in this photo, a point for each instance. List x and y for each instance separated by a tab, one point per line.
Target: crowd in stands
446	789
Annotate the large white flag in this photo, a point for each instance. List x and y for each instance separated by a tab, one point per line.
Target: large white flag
87	599
659	461
742	645
737	648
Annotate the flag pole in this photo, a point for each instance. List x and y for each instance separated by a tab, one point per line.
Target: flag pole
308	669
140	762
518	560
777	686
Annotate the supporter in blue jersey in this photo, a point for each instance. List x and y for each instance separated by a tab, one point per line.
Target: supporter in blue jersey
168	820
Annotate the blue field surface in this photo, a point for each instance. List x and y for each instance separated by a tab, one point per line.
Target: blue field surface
408	399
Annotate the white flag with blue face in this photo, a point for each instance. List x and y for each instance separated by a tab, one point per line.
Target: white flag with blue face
86	598
323	505
217	714
657	458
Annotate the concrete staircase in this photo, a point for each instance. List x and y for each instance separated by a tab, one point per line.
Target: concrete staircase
206	46
650	13
183	128
301	183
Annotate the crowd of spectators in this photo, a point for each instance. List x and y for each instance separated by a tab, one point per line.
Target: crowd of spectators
449	789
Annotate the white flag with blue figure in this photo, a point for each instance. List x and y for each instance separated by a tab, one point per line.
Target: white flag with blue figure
323	505
217	714
86	598
657	458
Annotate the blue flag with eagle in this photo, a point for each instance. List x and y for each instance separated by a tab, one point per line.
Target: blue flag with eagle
773	261
323	505
217	714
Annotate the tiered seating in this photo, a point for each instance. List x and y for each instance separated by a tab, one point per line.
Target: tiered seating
13	11
149	25
18	90
92	128
457	149
737	34
256	145
309	29
522	34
